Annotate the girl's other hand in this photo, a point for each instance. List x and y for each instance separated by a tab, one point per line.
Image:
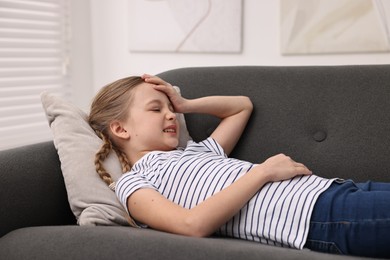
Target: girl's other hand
281	167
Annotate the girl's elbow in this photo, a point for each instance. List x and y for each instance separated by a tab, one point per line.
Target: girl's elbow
247	103
196	228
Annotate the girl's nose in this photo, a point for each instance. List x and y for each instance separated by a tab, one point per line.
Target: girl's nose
171	115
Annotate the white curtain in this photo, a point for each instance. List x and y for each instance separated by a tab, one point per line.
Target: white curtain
34	56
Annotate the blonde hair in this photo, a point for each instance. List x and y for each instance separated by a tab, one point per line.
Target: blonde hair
111	103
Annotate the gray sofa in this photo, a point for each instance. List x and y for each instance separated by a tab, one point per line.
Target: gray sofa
335	119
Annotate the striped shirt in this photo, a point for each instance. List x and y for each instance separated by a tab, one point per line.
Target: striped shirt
278	214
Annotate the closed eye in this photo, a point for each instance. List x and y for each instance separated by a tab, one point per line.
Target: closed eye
158	106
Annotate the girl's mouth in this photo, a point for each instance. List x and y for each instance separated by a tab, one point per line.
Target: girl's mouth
170	129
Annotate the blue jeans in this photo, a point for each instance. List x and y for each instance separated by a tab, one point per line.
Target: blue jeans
352	218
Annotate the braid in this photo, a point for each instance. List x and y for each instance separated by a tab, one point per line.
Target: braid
100	156
123	160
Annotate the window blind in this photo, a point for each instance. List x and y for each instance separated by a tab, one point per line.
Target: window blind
34	49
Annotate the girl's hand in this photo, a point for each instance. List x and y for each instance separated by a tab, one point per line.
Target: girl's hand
281	167
178	102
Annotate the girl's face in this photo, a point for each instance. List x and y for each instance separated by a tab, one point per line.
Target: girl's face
152	121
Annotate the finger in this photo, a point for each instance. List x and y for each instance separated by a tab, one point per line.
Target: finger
162	88
304	170
155	80
145	76
148	78
167	90
299	164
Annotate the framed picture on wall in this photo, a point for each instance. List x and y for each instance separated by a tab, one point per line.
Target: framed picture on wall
200	26
334	26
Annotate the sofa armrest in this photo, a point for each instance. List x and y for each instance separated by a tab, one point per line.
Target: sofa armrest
32	189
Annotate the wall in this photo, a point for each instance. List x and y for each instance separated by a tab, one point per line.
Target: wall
112	60
81	69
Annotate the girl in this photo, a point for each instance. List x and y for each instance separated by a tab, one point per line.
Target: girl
199	191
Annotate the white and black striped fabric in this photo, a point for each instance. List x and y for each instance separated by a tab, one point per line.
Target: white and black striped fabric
278	214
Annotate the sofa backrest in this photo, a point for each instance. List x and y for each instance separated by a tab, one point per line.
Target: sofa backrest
335	119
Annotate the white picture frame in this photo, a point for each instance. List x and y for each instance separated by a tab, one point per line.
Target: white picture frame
334	26
199	26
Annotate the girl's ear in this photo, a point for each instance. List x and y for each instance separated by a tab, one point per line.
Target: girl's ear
118	130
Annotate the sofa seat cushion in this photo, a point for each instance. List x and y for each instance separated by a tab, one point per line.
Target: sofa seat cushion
116	242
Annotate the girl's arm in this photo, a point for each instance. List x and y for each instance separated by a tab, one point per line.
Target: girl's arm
151	208
234	111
